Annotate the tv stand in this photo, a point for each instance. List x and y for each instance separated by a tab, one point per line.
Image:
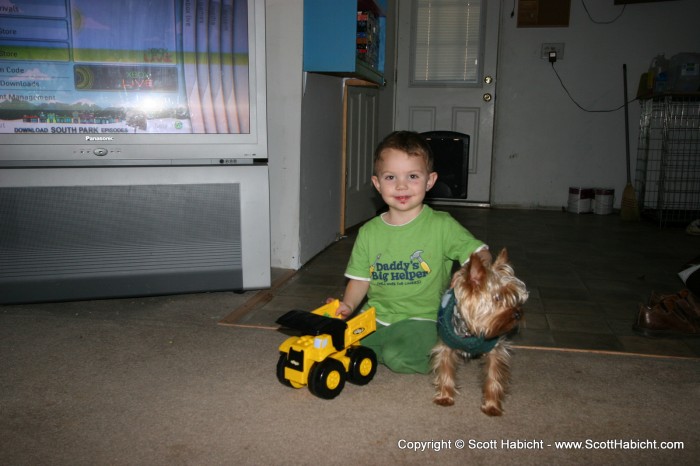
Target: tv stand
85	233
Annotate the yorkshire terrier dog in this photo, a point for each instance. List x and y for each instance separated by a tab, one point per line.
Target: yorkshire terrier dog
484	305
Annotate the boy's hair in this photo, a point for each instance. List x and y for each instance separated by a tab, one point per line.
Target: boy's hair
409	142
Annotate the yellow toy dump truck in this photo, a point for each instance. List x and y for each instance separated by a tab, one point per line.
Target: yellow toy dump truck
328	352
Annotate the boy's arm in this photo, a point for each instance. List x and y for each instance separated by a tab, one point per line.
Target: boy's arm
355	292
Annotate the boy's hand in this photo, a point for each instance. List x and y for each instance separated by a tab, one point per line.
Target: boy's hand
355	292
343	310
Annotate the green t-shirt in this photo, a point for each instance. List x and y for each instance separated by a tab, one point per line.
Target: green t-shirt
409	266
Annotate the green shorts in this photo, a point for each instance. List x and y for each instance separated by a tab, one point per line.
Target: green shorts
404	346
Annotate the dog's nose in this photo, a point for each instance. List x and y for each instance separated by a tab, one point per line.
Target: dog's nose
517	314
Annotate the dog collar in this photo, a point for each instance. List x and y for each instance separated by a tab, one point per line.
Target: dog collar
473	345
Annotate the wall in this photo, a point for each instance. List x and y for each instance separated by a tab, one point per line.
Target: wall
305	139
321	156
321	151
543	142
284	33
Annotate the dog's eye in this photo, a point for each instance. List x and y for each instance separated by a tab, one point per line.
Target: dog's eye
497	297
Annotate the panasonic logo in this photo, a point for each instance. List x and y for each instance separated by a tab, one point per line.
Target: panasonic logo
99	138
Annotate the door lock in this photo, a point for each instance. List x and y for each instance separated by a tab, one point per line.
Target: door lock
487	97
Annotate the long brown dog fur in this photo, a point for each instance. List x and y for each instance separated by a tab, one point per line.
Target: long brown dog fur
489	299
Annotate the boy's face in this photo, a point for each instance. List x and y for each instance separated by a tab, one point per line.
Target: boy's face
402	180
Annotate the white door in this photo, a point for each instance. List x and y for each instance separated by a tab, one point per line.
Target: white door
437	90
359	138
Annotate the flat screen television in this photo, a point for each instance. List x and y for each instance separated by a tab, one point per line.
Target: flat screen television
133	82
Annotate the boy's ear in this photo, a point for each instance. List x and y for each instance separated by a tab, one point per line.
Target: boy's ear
375	182
432	178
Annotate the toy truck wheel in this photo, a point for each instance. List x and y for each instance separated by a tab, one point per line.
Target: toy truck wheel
281	363
280	370
363	365
327	379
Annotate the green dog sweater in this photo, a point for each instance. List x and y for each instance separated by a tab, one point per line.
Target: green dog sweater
472	345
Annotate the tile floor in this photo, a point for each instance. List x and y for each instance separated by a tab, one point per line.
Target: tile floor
587	275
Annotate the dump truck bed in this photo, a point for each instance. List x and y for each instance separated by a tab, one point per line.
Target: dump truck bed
325	321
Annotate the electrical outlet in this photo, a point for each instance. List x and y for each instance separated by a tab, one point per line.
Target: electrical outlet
552	47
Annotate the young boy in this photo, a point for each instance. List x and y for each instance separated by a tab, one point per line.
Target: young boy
402	259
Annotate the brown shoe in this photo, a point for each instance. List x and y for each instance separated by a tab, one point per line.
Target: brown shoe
671	316
694	304
656	298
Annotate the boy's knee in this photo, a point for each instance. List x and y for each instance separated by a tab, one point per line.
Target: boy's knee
398	361
405	346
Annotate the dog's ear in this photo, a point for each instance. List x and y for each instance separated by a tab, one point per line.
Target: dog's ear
502	258
476	271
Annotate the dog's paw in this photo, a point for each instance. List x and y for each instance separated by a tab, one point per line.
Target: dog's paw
444	400
491	409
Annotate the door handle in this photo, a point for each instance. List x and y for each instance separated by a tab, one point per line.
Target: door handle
488	79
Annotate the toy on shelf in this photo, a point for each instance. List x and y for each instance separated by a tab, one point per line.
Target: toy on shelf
328	352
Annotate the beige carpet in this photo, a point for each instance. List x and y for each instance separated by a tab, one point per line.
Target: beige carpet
95	389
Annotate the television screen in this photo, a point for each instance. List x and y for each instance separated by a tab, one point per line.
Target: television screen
85	82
